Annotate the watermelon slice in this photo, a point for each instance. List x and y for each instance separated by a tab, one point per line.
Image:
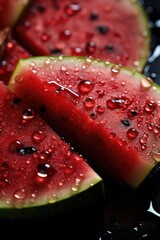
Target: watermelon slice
11	53
109	114
40	175
106	29
10	12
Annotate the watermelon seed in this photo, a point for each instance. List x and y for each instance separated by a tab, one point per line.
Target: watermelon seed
93	16
126	122
85	86
109	47
56	51
26	150
93	115
102	29
132	133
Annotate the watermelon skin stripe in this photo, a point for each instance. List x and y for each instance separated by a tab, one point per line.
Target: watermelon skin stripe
124	152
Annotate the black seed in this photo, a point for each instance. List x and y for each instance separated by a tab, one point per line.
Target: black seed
93	115
133	112
109	47
16	100
27	150
56	51
93	16
102	29
42	108
42	7
126	122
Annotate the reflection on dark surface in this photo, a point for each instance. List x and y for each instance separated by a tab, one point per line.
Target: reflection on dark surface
152	68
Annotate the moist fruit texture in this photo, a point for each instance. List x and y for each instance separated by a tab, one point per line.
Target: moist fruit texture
40	175
11	53
109	114
115	31
10	11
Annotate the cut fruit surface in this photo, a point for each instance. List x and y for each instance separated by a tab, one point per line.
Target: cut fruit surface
11	53
10	11
108	113
40	175
111	30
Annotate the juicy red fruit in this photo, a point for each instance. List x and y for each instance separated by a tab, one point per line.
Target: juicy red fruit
102	29
109	114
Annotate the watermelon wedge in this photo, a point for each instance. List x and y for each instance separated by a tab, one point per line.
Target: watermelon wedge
109	114
106	29
40	175
10	11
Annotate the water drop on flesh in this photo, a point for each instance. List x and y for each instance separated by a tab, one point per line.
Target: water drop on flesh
85	86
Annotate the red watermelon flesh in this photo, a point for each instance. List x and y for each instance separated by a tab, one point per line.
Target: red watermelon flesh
37	168
10	11
115	31
108	113
12	52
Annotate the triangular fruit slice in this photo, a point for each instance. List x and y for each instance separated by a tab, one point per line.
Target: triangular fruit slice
109	114
106	29
40	175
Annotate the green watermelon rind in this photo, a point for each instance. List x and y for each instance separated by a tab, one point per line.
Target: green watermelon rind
146	167
66	204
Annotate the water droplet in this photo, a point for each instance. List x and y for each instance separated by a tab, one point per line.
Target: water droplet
45	170
28	114
89	103
15	146
115	69
100	109
63	68
146	83
38	136
65	35
77	51
45	37
45	155
112	135
72	9
132	133
115	103
20	194
69	170
91	47
18	79
85	86
150	106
